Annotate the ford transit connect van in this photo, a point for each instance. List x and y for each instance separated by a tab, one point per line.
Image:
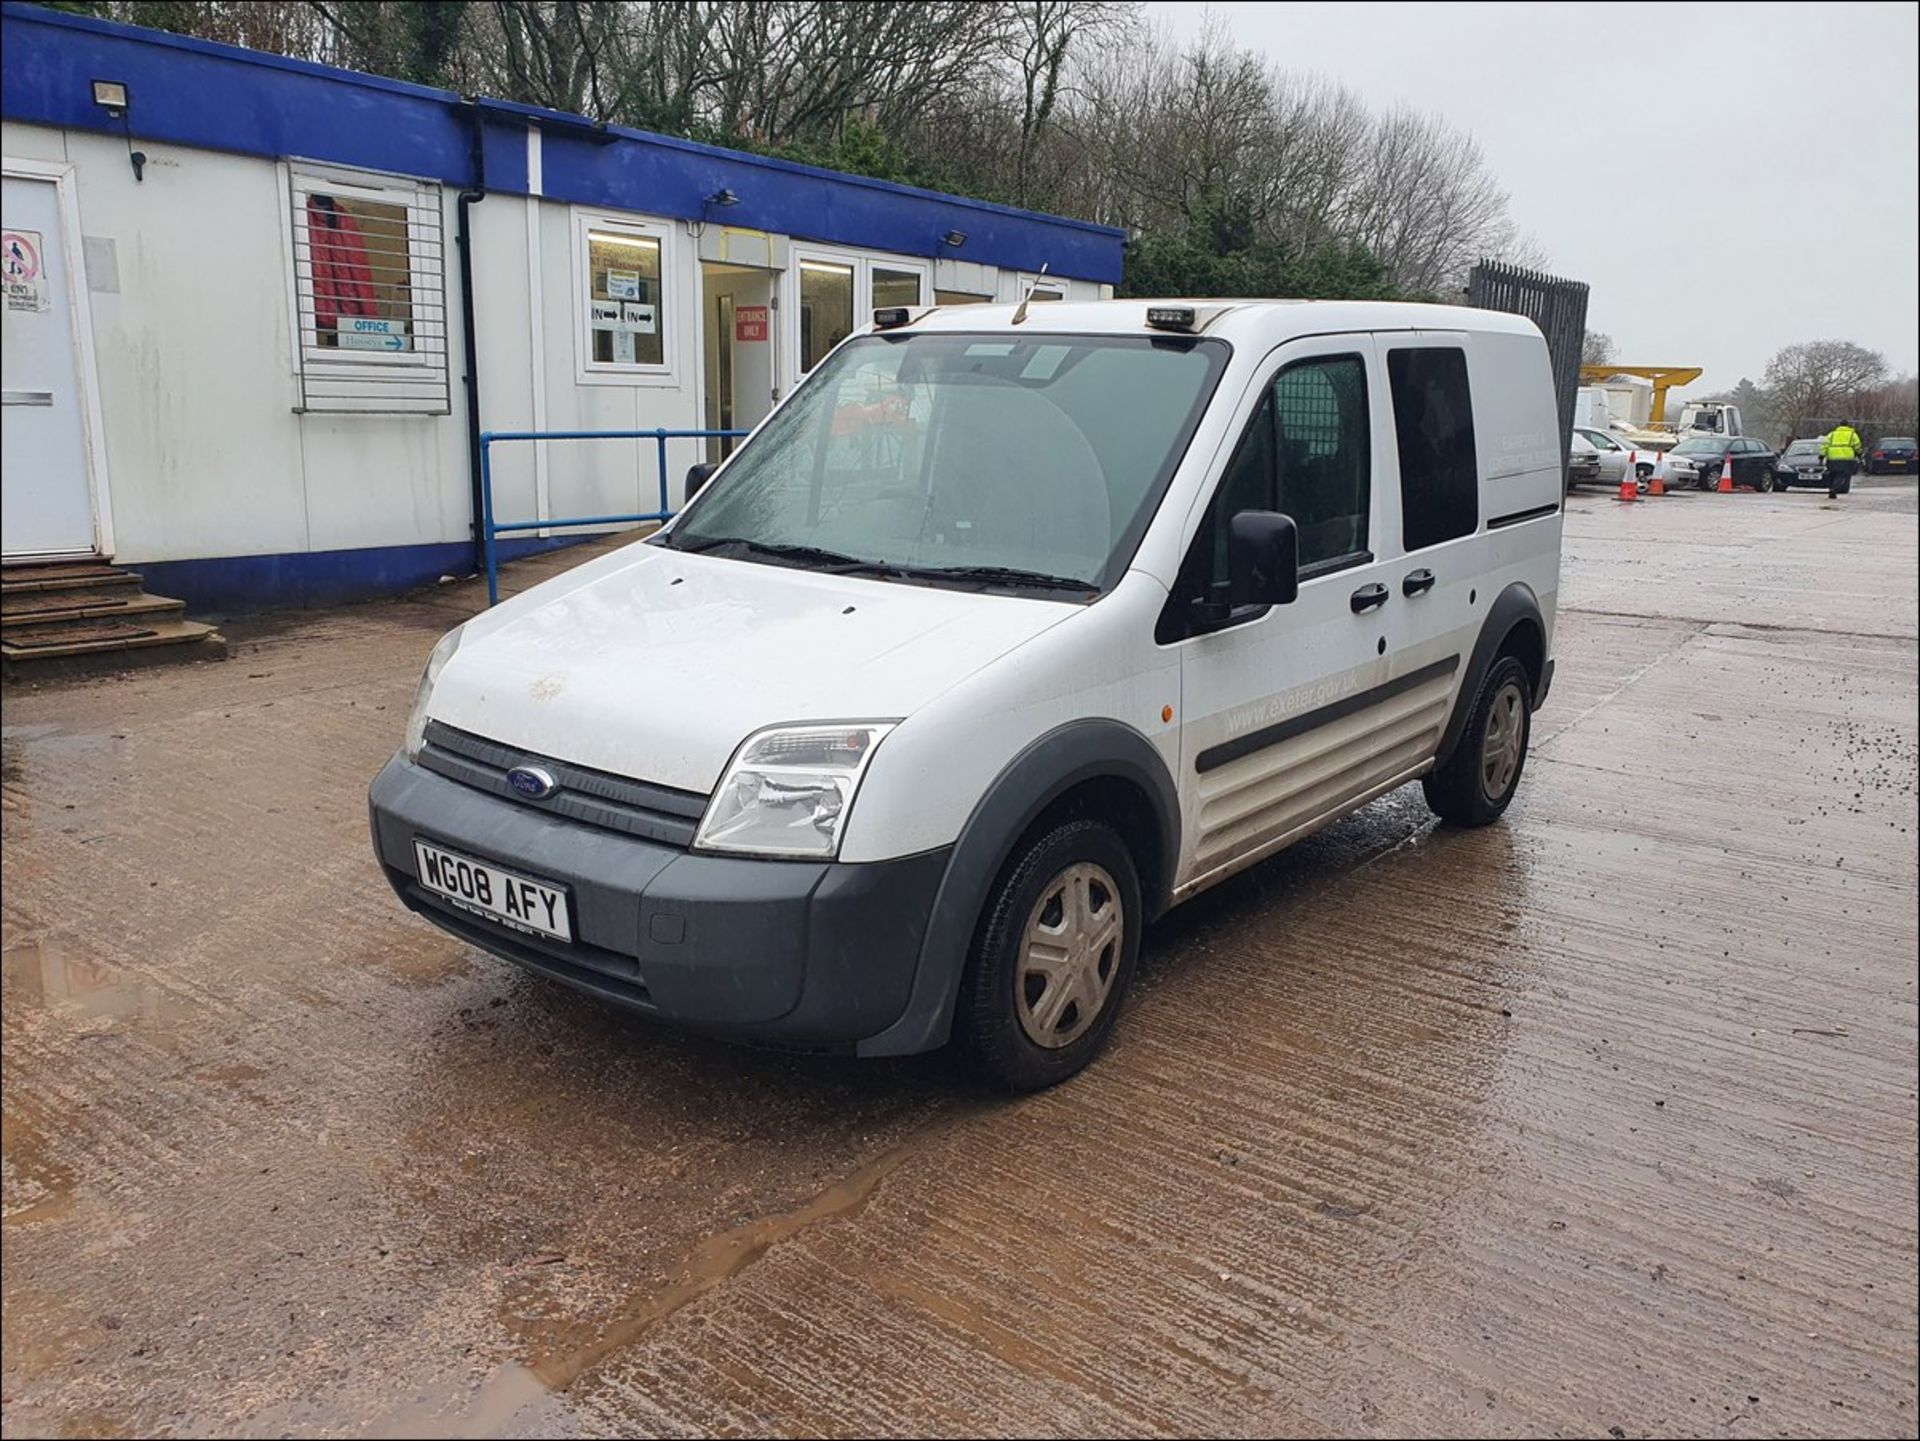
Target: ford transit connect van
1001	636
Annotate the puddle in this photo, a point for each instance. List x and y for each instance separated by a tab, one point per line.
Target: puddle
496	1408
44	975
38	1187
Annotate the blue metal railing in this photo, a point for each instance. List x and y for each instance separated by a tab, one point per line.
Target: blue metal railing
490	528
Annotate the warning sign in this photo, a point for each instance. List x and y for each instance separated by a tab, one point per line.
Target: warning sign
750	324
21	261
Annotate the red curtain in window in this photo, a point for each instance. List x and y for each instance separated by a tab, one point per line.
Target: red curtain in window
342	280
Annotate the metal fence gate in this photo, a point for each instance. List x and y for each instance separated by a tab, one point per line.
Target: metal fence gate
1558	307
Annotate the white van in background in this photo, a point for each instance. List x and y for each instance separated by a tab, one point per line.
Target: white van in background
1006	632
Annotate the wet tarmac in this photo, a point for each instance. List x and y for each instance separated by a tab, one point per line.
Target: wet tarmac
1601	1120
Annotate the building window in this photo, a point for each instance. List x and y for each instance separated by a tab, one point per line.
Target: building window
1043	288
895	287
960	297
826	309
370	306
621	266
1433	424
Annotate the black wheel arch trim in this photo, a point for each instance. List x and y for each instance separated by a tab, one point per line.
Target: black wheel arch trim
1047	769
1516	605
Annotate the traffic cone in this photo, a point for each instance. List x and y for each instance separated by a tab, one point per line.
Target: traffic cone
1655	485
1628	490
1726	478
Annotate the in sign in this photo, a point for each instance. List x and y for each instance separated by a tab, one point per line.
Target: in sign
750	324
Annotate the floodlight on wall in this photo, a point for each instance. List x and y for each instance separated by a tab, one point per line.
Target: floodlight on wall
720	200
113	97
955	238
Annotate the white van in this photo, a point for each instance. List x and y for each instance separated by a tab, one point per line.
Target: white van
1001	636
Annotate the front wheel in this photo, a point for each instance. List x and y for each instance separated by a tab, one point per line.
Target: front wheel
1050	964
1477	783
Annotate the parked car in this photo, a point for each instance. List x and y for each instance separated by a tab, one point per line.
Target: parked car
1702	459
1583	461
1893	455
1610	452
1800	464
877	746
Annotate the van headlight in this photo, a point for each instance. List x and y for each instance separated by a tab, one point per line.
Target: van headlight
437	662
787	791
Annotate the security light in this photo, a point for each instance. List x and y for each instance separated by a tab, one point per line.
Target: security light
955	238
723	197
112	97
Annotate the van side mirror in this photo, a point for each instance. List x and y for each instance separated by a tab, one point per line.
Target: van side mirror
1263	559
698	476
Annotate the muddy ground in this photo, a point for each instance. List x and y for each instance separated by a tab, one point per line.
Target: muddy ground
1603	1117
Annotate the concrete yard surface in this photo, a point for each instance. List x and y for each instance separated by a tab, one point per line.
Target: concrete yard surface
1599	1120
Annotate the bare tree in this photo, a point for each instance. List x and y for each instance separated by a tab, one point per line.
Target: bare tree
1814	380
1596	348
1042	36
1068	105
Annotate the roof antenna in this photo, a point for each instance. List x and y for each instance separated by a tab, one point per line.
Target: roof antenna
1027	299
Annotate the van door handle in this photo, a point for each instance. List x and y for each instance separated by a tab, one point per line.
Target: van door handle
1368	597
1416	582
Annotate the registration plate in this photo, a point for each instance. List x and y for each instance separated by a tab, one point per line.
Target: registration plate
512	900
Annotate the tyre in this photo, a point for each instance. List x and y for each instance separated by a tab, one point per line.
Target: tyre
1478	781
1055	949
1765	484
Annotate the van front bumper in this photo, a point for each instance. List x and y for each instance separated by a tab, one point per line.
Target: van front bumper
812	954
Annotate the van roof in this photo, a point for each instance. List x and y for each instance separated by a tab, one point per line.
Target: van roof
1231	318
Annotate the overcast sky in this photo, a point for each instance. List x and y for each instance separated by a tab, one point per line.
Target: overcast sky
1683	160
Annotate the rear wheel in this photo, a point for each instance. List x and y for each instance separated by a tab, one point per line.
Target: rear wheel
1477	783
1765	484
1052	958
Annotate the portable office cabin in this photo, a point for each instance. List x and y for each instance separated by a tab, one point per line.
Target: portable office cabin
238	363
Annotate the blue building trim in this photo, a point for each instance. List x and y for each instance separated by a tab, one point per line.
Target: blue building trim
238	584
220	97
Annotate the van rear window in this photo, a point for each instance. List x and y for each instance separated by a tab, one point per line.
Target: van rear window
1433	423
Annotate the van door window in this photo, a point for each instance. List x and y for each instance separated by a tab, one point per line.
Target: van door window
1320	437
1305	454
1433	420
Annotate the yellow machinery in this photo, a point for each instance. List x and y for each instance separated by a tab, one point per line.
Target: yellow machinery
1664	378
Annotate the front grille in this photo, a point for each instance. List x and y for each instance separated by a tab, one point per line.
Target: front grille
615	803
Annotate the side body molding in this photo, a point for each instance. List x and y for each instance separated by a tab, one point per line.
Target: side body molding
1079	751
1514	606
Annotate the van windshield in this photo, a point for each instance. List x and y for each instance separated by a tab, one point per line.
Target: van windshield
996	461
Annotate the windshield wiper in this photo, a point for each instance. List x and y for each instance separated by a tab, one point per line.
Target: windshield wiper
997	575
833	562
812	557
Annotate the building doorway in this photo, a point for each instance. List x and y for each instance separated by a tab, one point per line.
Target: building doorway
52	498
741	377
